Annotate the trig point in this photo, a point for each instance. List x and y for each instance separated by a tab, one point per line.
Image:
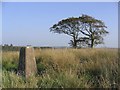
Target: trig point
27	63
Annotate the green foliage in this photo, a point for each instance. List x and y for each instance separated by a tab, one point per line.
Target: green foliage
41	68
10	61
10	66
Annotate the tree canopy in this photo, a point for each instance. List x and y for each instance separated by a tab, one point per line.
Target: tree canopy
93	29
84	30
68	26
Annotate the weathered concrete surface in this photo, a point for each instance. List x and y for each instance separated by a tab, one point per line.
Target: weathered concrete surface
27	63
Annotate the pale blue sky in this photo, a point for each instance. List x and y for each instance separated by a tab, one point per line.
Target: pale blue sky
0	23
29	23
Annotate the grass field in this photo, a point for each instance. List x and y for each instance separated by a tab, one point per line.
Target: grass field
65	68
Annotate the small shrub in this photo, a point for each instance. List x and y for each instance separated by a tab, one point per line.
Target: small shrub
10	66
41	68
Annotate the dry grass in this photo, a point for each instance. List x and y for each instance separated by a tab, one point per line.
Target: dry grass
83	68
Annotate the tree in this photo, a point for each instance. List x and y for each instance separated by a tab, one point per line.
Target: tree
69	27
93	30
84	30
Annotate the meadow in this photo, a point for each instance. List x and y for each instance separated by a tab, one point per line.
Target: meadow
64	68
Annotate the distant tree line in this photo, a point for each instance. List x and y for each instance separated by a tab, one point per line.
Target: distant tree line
7	47
85	30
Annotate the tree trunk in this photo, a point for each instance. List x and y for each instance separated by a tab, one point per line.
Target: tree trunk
91	37
92	43
74	42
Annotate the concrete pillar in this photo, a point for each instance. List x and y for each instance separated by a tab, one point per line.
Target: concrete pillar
27	63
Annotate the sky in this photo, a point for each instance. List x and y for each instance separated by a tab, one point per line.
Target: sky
28	23
119	25
0	24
